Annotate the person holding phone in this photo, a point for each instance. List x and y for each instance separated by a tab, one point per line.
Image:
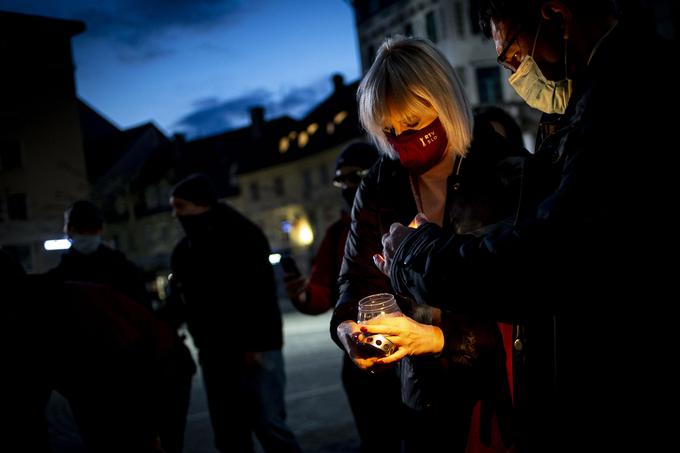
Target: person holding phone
318	293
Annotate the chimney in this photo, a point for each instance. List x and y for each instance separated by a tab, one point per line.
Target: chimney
257	121
338	83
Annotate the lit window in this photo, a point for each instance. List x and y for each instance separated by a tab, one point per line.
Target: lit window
303	138
340	117
292	135
284	144
330	128
301	232
312	128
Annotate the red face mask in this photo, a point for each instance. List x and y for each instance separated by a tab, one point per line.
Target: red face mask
420	150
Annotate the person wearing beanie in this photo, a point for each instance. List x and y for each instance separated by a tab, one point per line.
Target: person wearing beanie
196	188
318	293
222	285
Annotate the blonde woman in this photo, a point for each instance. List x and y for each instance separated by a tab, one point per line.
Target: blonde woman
460	175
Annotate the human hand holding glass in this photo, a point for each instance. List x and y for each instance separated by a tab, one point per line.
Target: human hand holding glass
371	308
410	337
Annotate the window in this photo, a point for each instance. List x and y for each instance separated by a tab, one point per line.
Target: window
10	154
254	191
408	29
284	144
489	85
16	206
323	175
22	253
279	188
303	139
431	26
152	197
461	72
370	55
307	184
474	20
459	18
340	117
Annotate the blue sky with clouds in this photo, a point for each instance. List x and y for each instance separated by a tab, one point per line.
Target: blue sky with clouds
196	66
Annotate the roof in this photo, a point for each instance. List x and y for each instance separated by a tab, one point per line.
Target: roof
253	148
19	24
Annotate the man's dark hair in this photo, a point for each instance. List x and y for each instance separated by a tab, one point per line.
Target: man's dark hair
493	114
527	13
83	215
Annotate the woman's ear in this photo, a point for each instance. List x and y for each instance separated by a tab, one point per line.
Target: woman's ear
555	10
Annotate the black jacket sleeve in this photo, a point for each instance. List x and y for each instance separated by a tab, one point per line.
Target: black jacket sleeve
359	277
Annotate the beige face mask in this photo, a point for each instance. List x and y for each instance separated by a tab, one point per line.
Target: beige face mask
540	93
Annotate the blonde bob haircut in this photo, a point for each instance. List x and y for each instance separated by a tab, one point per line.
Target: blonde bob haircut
412	77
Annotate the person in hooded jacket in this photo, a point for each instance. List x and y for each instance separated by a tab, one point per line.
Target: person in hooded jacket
224	284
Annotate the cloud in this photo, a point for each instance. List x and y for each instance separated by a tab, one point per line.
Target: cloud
134	25
211	116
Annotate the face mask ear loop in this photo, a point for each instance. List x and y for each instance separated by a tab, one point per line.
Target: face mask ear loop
566	67
533	49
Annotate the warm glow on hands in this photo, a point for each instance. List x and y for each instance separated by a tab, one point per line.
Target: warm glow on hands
411	338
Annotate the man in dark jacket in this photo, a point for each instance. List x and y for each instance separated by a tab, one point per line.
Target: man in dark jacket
89	260
222	274
575	250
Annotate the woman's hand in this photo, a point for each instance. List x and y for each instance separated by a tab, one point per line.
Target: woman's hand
411	338
392	240
351	337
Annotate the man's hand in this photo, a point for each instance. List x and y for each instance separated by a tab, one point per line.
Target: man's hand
411	338
350	336
392	240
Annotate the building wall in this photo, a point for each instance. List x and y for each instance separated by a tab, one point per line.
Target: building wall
450	26
39	117
308	195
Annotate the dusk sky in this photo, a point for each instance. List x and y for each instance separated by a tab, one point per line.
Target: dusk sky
196	66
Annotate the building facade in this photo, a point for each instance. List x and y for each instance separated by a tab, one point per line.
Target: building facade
42	165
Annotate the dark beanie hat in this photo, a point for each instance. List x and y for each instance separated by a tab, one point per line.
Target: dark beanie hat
357	154
196	188
83	215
